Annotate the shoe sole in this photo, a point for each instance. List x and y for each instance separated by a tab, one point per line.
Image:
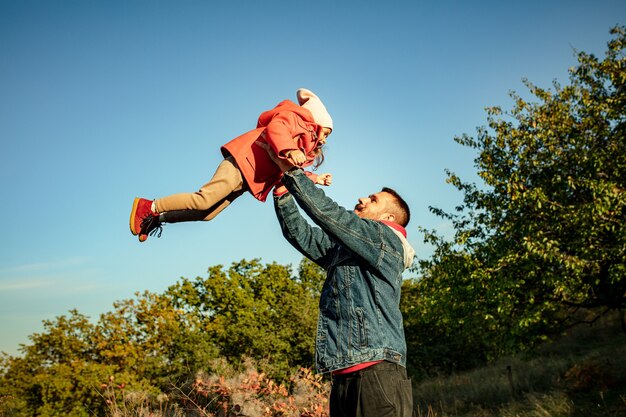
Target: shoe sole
132	217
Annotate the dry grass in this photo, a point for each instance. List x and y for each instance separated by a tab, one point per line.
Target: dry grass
229	394
581	375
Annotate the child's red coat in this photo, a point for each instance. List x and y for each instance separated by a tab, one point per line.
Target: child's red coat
285	127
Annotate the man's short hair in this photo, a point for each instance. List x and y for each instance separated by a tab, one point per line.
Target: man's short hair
401	208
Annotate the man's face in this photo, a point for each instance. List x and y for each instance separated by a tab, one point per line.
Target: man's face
373	207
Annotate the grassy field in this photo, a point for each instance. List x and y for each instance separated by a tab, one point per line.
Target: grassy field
583	374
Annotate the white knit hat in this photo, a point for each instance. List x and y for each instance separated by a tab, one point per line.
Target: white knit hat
311	102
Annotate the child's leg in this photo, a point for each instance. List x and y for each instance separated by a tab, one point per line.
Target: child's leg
196	215
226	180
217	209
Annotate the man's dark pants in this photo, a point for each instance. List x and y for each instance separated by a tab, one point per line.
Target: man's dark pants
381	390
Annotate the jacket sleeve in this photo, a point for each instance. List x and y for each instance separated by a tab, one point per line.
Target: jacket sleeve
368	239
311	241
280	132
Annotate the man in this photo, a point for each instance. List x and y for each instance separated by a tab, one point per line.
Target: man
360	338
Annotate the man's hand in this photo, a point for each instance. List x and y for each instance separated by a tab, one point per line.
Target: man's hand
283	164
324	179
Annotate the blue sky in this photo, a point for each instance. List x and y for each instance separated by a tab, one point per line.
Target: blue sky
102	101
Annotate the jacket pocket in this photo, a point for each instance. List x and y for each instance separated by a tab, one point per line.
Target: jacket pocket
361	327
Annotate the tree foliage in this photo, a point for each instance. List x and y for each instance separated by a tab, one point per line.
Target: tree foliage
545	234
256	311
155	342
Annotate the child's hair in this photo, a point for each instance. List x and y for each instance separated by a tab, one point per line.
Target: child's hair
319	156
318	153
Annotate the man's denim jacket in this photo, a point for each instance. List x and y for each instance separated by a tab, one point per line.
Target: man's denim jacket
359	316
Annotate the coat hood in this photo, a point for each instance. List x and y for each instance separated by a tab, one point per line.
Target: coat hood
285	105
409	252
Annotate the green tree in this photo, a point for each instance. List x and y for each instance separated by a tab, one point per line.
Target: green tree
257	311
156	341
143	345
446	319
57	375
149	337
546	232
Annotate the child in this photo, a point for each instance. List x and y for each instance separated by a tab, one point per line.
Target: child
294	132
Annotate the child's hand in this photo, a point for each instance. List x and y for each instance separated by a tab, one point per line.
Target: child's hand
324	179
297	157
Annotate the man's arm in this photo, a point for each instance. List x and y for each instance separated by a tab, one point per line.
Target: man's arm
368	239
312	242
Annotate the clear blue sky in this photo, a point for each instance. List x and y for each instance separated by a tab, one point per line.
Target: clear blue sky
102	101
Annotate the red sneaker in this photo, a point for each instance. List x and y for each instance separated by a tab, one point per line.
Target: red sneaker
150	226
141	210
